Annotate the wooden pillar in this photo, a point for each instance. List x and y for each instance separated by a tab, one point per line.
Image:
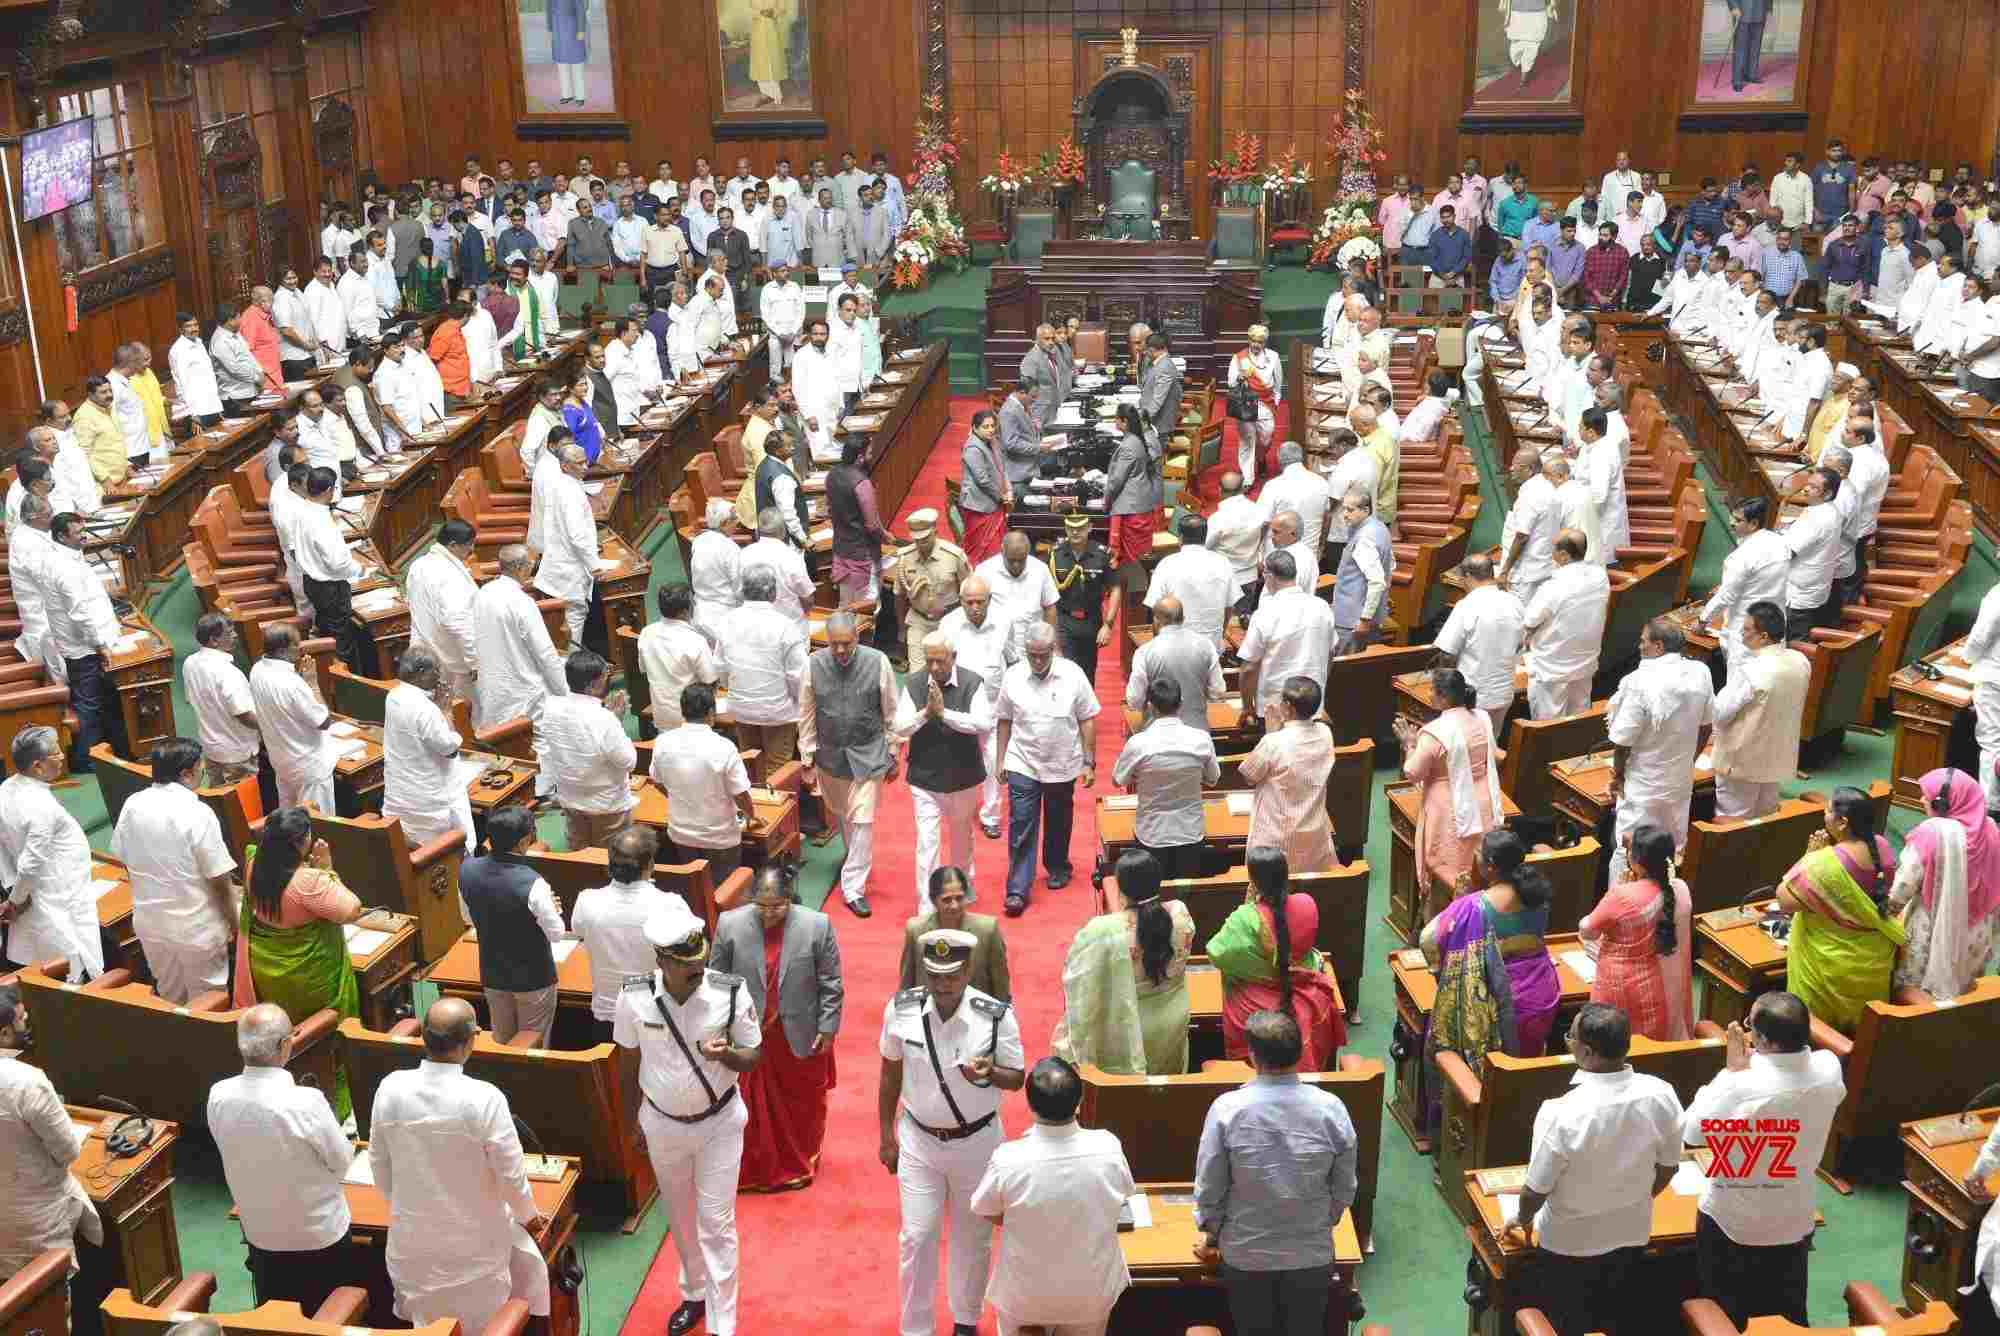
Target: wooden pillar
298	231
177	155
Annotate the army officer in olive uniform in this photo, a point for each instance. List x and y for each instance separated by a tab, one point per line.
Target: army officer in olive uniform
1086	595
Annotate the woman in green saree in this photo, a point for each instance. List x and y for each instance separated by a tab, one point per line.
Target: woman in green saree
1842	951
423	281
291	949
1276	924
1125	1002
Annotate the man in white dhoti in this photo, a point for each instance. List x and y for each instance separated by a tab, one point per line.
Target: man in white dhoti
1528	536
1527	28
943	714
423	781
462	1216
183	902
518	667
294	722
441	591
984	644
715	570
1564	629
569	541
1654	723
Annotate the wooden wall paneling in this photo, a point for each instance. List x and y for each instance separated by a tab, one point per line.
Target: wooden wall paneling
178	163
295	148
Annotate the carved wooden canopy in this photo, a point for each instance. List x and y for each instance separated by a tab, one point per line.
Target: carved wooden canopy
1132	113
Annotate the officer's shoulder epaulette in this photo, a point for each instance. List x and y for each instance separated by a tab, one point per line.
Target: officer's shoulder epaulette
721	980
991	1007
911	999
637	982
952	547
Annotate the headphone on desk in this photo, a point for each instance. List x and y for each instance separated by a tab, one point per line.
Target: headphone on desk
131	1134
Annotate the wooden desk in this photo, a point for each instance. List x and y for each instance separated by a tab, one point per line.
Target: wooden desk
1415	986
385	965
772	836
1933	722
1513	1277
143	674
364	1263
1410	909
1118	815
141	1251
357	775
166	498
1582	795
1170	1289
114	916
456	974
1960	425
1737	960
1943	1222
408	488
899	448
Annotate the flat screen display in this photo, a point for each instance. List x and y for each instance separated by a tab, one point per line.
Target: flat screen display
55	168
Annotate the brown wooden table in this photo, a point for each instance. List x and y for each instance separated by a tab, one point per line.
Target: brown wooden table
141	667
1933	722
408	488
1409	911
1225	815
1943	1220
383	947
1582	787
1737	960
456	974
141	1251
167	496
773	835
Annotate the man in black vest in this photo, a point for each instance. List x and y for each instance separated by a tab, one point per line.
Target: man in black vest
516	916
603	402
778	487
846	705
943	714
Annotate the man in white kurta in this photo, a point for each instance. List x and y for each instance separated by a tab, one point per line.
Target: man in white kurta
1266	373
1576	508
786	563
30	549
843	345
183	904
944	818
194	374
1654	723
1759	714
51	912
1600	466
225	718
1528	537
445	1154
715	570
357	299
1023	588
1201	578
1482	639
326	315
1563	627
1754	570
568	569
1291	634
674	655
294	723
518	667
44	1205
816	384
423	781
440	590
1236	530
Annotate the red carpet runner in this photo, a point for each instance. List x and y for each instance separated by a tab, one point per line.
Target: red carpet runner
824	1259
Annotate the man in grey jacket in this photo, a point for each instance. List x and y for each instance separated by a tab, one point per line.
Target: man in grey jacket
1160	390
1046	372
1020	439
825	232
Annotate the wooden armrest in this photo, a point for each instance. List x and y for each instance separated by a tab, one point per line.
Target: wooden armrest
215	999
511	1320
1642	552
45	1273
1530	1322
344	1307
514	728
1353	1062
1866	1307
49	695
1828	635
1866	614
407	1028
314	1028
109	980
424	855
1458	1074
194	1294
789	778
734	891
1826	1037
1703	1317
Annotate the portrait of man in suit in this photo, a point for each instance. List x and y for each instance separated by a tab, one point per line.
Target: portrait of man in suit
766	54
565	56
1750	50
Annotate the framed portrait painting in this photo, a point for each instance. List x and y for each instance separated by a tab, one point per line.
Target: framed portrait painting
1525	65
565	76
1750	65
766	68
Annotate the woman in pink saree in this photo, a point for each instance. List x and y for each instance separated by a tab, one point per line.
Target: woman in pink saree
1641	931
1456	761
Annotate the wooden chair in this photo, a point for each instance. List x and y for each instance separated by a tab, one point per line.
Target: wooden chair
1489	1116
1843	663
1572	875
1362	684
495	524
1341	895
1907	1062
1867	1310
112	1038
570	874
1723	862
1158	1119
340	1315
377	863
584	1103
35	1299
1533	744
238	807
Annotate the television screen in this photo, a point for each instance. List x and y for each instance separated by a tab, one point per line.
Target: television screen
55	168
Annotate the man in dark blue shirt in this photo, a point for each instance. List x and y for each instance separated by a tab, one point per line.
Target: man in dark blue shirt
1450	249
1844	265
1833	186
1705	211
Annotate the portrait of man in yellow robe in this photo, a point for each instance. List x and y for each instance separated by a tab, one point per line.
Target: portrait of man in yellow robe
765	54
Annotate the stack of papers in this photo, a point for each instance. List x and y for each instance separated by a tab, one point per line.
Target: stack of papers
364	941
359	1171
1580	964
603	564
99	888
1239	804
357	747
560	951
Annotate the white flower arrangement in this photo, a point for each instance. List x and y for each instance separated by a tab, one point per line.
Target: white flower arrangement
1365	247
1004	185
915	251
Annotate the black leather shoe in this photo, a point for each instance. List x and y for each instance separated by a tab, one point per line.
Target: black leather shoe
1015	906
687	1317
1058	880
859	905
965	1329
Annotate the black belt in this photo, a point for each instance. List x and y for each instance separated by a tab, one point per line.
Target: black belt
704	1115
948	1133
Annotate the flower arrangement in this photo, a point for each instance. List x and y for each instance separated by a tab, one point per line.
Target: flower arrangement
1239	173
933	233
1345	230
1359	147
1009	176
1286	172
1067	168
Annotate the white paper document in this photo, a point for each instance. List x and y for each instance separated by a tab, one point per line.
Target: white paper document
360	1171
1689	1180
1584	967
99	888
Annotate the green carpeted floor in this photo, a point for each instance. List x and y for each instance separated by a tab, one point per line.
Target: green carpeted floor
1413	1280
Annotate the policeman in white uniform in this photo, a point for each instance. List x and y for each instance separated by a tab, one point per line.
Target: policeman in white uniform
948	1050
697	1032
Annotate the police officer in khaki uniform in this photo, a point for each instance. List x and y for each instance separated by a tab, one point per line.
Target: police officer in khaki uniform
1086	595
928	572
948	1050
697	1033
